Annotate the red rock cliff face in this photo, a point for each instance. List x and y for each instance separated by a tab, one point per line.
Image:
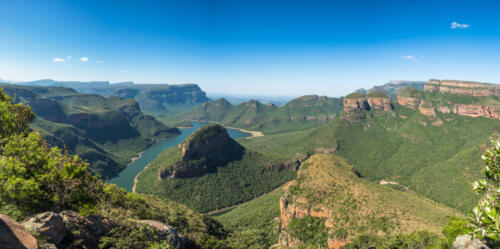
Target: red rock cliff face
289	211
355	104
477	111
409	102
463	87
380	103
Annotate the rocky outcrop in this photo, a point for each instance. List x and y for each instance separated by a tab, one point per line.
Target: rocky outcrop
426	109
165	233
466	242
356	102
409	102
375	99
380	103
88	230
477	111
409	97
202	152
290	210
49	225
14	236
462	87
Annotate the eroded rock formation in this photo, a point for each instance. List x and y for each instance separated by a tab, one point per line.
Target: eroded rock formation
462	87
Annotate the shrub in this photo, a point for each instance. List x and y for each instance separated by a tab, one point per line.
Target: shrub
37	178
309	230
485	216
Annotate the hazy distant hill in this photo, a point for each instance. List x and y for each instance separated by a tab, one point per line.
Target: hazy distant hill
157	99
300	113
105	131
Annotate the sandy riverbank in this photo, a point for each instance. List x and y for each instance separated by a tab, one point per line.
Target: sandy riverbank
252	133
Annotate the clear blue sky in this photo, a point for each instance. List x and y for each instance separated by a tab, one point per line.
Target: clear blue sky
251	47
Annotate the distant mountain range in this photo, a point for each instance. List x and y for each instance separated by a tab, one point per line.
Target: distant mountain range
156	99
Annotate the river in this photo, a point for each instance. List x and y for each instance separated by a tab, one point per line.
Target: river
126	178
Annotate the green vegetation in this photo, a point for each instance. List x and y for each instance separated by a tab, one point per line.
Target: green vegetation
353	206
486	215
213	172
376	93
416	240
253	224
298	114
35	178
233	183
107	132
402	146
309	230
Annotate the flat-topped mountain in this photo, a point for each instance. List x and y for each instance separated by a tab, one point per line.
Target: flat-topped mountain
335	205
106	131
209	171
300	113
157	99
465	98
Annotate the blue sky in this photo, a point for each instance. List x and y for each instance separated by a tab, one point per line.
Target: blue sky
251	47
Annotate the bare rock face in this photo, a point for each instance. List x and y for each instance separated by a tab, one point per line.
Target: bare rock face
379	100
380	103
89	230
14	236
356	102
466	242
462	87
165	233
48	224
426	109
477	111
409	97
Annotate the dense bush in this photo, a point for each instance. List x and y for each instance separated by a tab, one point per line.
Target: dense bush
37	178
417	240
486	215
309	230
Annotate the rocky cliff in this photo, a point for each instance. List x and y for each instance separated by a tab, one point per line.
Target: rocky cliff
158	99
471	88
203	151
375	99
356	102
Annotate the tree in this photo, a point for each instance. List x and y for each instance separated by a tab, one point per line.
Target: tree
485	216
35	177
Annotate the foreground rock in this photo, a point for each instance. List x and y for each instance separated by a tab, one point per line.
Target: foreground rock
165	233
14	236
466	242
49	225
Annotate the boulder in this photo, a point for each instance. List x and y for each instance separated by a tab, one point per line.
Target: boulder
165	233
48	224
88	230
466	242
14	236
